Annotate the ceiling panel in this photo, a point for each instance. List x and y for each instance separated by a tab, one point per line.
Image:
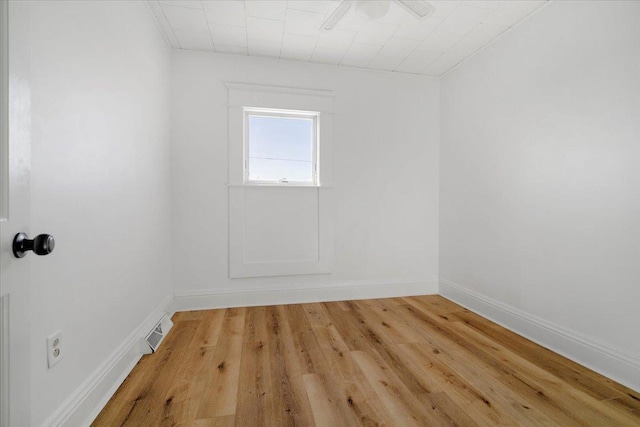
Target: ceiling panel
335	39
397	41
360	55
228	35
463	19
399	47
439	41
224	12
268	9
317	6
302	22
298	47
375	33
513	11
268	30
185	18
419	29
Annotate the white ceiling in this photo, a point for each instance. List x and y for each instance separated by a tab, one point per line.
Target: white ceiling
291	30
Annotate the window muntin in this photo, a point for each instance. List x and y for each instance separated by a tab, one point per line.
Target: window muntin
280	147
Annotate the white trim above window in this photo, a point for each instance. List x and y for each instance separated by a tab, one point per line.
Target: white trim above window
286	98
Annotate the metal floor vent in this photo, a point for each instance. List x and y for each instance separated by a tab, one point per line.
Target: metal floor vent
152	341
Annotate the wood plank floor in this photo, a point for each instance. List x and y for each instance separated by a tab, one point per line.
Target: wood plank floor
396	362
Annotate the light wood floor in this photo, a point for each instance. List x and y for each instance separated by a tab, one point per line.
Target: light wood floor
396	362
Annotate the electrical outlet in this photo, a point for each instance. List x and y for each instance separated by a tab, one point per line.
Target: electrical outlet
54	349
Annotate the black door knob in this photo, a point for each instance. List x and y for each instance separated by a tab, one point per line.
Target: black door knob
43	244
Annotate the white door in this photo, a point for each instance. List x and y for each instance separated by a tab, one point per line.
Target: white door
15	163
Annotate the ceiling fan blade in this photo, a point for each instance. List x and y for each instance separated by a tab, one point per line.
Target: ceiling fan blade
337	15
419	8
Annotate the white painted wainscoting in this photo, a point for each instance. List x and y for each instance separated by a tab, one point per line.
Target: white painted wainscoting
279	230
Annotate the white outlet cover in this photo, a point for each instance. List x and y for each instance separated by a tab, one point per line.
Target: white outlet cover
54	349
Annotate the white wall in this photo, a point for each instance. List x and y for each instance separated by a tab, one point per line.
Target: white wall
385	170
100	185
540	173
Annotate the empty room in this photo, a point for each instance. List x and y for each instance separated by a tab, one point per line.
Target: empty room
319	213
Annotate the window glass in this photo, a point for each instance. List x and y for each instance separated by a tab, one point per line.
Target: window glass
281	148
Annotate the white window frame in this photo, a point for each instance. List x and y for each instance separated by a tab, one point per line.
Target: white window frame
288	114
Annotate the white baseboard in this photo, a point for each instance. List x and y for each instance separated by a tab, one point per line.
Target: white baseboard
611	363
84	405
367	289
